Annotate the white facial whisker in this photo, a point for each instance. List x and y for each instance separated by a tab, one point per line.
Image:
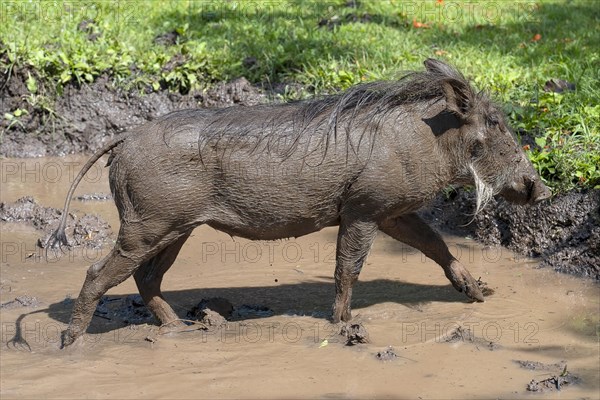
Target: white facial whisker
483	191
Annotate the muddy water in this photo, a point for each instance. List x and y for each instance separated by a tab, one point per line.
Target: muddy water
402	299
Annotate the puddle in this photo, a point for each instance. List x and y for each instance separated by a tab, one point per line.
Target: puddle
443	346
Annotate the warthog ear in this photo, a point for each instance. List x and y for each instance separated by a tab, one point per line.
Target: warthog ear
438	67
457	97
456	91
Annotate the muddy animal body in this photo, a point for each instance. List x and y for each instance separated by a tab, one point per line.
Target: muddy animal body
364	160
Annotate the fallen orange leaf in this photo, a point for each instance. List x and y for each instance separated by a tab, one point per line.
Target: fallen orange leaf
526	147
418	24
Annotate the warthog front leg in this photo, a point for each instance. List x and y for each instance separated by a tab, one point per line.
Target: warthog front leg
412	230
353	244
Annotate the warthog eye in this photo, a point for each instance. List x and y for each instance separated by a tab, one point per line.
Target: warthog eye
492	122
477	149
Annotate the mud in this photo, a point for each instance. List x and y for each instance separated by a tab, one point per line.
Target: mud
86	230
87	116
221	306
386	355
353	334
465	335
561	376
94	197
217	311
563	232
125	310
21	301
280	326
281	294
539	366
556	383
249	311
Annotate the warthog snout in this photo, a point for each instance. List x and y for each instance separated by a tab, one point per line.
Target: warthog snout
537	190
530	190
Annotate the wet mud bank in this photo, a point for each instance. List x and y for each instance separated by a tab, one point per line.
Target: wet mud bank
564	232
87	230
86	117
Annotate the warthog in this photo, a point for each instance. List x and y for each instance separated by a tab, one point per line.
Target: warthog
364	159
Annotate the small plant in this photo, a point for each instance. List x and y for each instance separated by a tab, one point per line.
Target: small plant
13	119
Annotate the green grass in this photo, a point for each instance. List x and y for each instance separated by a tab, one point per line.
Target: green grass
328	46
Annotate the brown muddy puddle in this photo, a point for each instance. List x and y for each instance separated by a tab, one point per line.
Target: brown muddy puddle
402	299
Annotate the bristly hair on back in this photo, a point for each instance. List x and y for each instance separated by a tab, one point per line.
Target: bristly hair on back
371	102
356	112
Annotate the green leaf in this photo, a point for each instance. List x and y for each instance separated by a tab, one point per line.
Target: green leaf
31	84
65	76
540	141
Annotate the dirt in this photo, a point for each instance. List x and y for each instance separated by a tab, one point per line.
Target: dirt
555	383
90	231
21	301
466	335
220	305
271	318
386	355
94	197
354	333
249	311
563	232
281	300
126	310
85	117
401	299
560	380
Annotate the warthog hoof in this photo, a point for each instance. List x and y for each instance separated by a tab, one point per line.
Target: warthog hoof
463	281
341	312
67	338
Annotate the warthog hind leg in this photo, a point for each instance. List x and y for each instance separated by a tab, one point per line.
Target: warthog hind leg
132	249
149	277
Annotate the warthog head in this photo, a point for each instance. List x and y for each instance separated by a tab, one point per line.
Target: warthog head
489	154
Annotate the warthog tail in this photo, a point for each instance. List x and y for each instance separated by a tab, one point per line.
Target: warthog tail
59	237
